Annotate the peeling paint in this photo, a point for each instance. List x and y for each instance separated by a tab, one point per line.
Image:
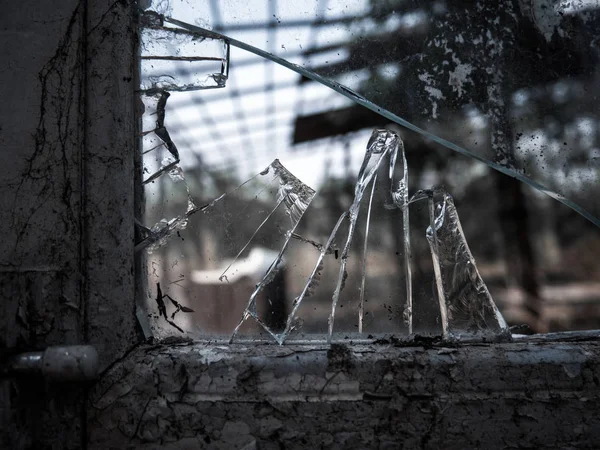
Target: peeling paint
460	76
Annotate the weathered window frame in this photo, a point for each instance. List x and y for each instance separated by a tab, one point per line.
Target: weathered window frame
422	381
178	394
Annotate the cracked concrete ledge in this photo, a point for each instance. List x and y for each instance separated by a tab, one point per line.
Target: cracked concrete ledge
201	395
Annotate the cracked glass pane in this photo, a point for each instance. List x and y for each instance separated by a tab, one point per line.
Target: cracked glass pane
428	64
308	88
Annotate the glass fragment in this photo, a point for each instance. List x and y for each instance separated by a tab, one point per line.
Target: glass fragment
271	204
383	143
177	60
466	305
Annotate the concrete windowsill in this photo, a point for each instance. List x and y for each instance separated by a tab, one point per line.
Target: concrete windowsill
365	395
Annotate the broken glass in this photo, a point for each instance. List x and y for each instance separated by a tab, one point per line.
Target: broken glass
161	157
176	60
272	203
277	202
232	240
514	76
342	289
172	60
466	306
382	146
228	256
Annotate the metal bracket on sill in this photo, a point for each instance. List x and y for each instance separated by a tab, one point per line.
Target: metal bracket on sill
60	363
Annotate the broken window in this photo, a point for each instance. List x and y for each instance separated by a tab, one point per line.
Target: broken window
270	209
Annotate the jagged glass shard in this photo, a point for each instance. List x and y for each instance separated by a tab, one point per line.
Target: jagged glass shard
250	258
178	60
383	143
466	305
230	256
161	157
155	136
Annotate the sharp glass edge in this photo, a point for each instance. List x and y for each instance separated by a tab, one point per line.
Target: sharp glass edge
361	305
380	147
286	178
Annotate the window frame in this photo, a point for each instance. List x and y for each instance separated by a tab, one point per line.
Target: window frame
143	382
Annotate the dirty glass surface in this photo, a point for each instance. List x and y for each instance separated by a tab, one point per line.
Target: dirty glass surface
475	94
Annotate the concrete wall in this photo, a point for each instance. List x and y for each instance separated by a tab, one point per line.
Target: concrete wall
66	192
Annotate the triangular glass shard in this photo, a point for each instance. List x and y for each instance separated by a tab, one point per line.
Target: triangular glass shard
466	306
273	203
383	143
